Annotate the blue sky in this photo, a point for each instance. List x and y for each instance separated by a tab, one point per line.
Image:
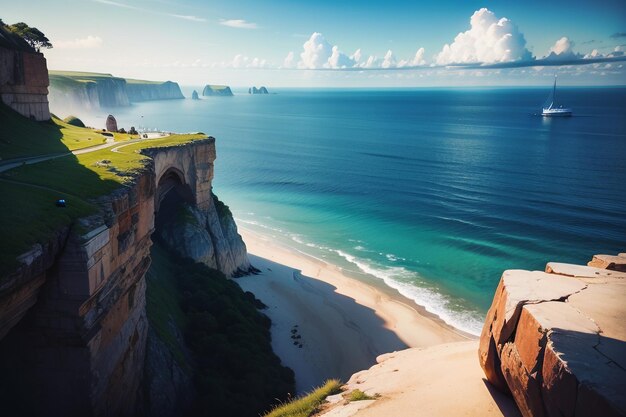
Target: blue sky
334	43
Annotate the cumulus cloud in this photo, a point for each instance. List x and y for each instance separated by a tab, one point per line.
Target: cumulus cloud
319	53
562	50
389	61
288	61
489	40
417	61
82	43
242	61
238	24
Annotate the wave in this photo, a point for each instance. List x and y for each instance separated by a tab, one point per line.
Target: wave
408	283
434	302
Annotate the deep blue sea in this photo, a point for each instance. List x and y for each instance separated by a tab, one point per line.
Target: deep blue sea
431	191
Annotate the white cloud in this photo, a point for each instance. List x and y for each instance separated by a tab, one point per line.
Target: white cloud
317	52
83	43
186	17
339	60
417	61
288	62
389	61
562	50
489	40
238	24
116	4
242	61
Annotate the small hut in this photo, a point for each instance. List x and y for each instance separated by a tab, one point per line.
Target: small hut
111	123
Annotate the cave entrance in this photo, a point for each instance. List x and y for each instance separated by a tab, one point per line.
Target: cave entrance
172	191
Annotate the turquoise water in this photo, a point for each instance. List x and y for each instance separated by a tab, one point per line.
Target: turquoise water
434	192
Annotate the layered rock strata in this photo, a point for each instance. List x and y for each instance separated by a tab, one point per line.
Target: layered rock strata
556	340
73	319
24	82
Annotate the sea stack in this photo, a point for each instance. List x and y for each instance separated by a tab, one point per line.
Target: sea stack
217	90
194	95
254	90
111	123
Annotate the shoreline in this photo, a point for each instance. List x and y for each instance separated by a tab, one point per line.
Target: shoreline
326	324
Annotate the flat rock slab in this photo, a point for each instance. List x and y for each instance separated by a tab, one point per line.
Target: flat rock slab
557	341
615	262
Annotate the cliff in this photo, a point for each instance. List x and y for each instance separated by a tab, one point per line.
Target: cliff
73	319
86	90
89	90
217	90
139	90
23	77
194	95
556	340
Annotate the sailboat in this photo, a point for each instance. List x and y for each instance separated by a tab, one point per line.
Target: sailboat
550	108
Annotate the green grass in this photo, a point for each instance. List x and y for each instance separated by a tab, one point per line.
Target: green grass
216	87
132	81
21	137
163	302
358	395
307	405
79	74
93	174
29	215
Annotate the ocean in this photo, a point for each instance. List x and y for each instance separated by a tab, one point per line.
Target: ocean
434	192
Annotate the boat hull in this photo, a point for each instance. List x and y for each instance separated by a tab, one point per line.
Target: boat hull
556	112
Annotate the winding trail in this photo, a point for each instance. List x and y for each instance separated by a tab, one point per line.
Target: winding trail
18	162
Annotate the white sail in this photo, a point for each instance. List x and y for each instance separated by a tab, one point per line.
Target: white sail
550	108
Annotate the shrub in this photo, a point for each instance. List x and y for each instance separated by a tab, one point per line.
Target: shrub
308	404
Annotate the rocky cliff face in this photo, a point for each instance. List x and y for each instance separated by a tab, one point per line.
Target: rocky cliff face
24	82
204	229
79	350
73	316
90	94
103	90
153	91
556	341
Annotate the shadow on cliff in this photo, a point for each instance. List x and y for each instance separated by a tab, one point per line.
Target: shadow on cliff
29	192
30	216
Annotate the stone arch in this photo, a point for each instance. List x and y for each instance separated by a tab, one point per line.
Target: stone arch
172	185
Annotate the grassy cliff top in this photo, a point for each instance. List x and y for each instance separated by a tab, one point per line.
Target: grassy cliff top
94	76
216	87
29	192
21	137
132	81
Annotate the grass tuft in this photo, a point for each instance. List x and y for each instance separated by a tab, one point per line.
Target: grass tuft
307	405
358	395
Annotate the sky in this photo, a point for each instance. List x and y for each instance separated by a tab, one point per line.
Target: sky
334	43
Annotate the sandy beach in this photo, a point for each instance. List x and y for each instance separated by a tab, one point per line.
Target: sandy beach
328	325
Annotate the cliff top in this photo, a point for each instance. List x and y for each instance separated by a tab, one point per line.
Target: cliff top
30	191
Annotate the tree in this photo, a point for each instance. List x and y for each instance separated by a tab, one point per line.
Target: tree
33	36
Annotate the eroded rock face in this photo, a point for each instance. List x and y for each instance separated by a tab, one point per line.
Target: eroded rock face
24	82
556	340
205	231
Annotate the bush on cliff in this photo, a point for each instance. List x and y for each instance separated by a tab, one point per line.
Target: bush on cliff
235	371
74	121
